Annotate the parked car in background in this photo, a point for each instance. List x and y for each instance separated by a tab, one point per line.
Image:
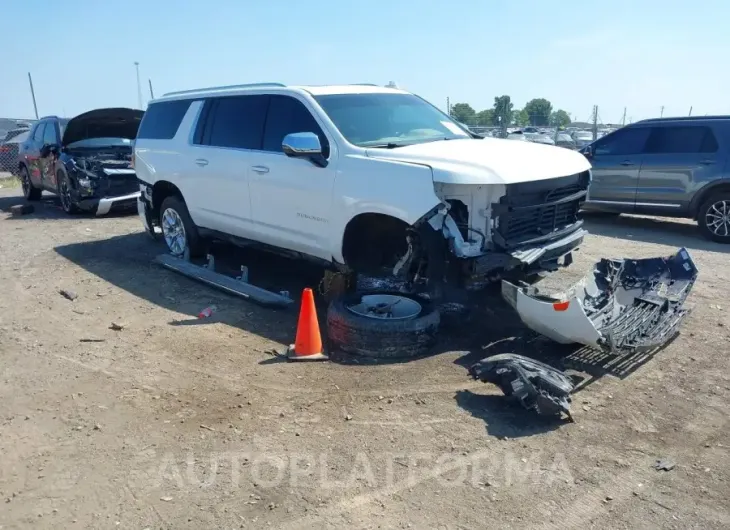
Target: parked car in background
10	149
582	138
673	167
565	140
356	178
86	161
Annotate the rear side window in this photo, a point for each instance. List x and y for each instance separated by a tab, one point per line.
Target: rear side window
236	121
38	133
684	139
161	120
288	115
630	141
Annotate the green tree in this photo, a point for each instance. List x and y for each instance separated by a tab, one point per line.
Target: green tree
503	111
463	113
559	118
485	117
539	111
520	117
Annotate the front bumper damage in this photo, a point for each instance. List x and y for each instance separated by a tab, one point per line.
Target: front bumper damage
535	385
623	306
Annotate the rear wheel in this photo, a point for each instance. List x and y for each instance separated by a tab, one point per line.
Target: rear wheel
714	218
30	192
178	230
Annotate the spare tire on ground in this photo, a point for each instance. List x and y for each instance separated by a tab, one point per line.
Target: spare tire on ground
387	325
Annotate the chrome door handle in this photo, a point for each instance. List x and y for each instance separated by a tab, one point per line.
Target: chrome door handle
627	163
260	169
201	162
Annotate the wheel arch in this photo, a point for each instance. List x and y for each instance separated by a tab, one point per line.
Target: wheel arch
717	186
160	191
367	227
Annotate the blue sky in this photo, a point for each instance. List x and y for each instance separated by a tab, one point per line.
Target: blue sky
613	53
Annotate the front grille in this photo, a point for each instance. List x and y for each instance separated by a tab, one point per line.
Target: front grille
121	185
533	211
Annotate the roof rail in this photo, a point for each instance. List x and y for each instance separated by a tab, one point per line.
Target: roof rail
50	117
227	87
363	84
685	118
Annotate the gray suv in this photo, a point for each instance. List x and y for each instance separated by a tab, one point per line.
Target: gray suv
673	167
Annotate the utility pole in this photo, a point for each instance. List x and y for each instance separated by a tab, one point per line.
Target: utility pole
595	122
690	111
623	118
448	106
139	87
32	93
152	94
662	112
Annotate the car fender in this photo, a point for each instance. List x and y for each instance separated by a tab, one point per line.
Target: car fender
702	194
401	190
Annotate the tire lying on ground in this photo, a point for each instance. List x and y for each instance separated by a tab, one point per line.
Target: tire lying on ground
408	331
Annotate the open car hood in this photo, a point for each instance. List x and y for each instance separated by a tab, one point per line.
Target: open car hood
103	123
488	161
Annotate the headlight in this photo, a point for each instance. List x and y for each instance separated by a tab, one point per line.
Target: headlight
84	182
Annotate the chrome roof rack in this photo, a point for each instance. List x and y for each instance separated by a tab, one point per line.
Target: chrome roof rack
227	87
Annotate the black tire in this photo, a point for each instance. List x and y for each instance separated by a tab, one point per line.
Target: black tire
705	210
30	192
379	338
192	237
64	194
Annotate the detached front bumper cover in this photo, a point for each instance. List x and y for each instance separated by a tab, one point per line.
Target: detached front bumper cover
623	306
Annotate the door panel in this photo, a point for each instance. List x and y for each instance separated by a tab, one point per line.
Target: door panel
46	164
616	162
291	198
33	153
679	160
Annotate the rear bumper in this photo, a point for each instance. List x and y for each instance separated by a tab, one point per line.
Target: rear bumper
622	306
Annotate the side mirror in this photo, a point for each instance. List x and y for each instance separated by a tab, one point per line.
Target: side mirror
48	149
304	145
588	151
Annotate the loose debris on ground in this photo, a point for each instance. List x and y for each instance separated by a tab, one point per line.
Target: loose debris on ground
188	423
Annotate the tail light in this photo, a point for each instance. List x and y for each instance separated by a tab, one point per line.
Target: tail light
4	148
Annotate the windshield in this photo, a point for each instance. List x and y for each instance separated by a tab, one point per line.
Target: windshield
93	143
584	135
368	120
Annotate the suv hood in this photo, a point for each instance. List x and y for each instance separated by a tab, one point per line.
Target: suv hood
103	123
488	161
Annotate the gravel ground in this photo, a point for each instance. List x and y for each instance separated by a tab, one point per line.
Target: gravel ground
174	422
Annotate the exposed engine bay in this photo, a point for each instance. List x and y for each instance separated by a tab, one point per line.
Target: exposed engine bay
482	233
101	172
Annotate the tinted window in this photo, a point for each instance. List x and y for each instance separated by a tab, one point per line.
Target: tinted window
49	137
288	115
236	121
686	139
38	133
161	120
629	141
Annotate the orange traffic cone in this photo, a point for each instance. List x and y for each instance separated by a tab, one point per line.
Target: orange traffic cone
308	343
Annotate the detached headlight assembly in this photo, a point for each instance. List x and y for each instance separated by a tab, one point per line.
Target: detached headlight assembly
84	182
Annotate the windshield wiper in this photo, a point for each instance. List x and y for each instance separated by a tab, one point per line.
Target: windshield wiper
389	145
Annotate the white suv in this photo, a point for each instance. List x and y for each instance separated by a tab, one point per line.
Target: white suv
360	178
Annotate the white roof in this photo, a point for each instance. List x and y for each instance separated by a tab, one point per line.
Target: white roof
278	87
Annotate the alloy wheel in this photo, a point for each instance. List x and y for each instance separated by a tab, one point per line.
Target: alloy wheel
65	196
25	182
173	230
717	218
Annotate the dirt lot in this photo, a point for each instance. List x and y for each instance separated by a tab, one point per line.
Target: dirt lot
175	422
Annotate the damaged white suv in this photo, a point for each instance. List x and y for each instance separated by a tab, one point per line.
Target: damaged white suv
360	178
